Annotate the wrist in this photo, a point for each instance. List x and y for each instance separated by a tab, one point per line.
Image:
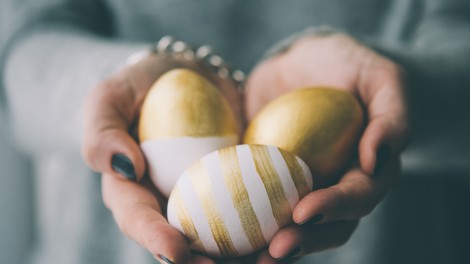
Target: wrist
285	44
174	53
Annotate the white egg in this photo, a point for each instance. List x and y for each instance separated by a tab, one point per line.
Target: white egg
232	201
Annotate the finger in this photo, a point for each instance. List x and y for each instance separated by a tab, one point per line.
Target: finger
247	259
110	110
266	258
261	80
199	259
138	215
295	241
382	91
355	196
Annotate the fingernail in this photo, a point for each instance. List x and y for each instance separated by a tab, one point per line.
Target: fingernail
383	154
315	219
291	254
163	258
123	165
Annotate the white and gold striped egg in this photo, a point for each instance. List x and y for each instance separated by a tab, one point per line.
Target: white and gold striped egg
183	117
232	201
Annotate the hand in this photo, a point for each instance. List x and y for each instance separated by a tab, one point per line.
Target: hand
327	217
112	109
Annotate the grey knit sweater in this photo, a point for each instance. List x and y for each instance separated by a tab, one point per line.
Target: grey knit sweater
55	50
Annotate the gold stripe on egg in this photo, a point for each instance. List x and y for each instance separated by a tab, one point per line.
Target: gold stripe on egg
296	172
273	185
186	222
200	179
230	167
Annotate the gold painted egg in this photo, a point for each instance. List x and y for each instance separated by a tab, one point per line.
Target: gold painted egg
183	117
320	125
232	201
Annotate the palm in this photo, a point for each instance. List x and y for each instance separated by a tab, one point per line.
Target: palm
334	62
338	61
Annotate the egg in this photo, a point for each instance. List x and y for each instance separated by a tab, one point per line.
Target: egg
321	125
232	201
183	117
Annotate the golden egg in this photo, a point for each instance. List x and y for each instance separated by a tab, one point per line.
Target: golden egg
183	117
320	125
182	103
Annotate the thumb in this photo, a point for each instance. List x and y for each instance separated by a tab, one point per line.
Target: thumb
382	91
139	216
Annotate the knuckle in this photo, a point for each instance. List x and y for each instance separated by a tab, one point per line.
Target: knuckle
367	200
139	225
129	224
100	90
342	198
106	89
110	83
87	154
390	69
151	240
354	204
89	151
106	200
111	88
125	223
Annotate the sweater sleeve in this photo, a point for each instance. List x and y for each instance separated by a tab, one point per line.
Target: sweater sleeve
436	58
51	59
438	45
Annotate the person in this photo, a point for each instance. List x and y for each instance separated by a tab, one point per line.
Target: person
64	73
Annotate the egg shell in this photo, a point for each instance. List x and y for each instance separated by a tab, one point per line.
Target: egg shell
183	117
232	201
168	158
321	125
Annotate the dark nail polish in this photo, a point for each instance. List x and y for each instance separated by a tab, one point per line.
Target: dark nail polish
315	219
291	254
383	154
163	258
123	165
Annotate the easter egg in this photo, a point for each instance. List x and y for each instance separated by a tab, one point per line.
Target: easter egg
320	125
232	201
183	117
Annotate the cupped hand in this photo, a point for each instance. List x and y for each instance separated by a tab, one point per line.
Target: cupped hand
327	217
110	146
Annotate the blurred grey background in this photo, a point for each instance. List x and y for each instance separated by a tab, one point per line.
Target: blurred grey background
16	193
424	219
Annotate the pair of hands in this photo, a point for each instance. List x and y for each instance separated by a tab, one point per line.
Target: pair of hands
326	217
